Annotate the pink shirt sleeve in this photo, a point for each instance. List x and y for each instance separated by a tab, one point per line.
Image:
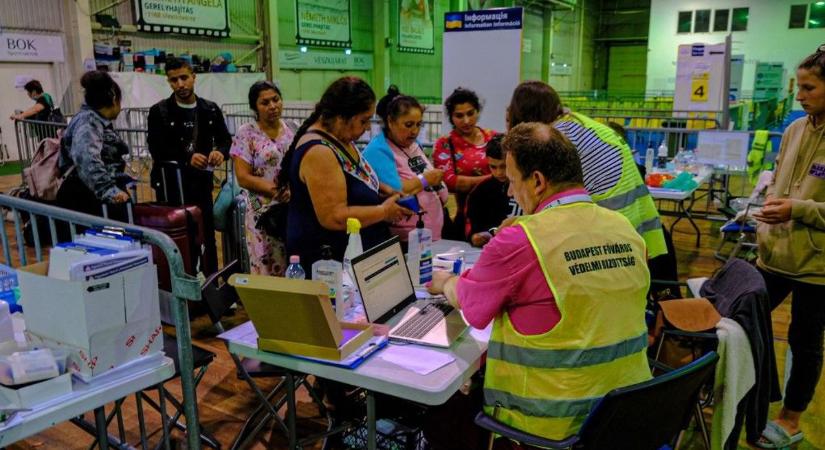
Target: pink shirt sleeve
508	277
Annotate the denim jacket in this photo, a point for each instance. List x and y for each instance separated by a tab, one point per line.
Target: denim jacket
96	151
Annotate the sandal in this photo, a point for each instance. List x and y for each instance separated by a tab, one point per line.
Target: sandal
775	436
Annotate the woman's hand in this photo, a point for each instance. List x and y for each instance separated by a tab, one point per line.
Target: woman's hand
394	212
121	197
434	176
775	210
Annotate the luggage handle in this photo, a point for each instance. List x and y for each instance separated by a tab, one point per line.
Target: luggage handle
132	188
179	178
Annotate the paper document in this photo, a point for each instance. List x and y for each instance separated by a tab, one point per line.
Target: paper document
420	360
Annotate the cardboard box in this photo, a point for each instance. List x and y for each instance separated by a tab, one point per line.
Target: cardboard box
357	333
31	395
296	317
103	323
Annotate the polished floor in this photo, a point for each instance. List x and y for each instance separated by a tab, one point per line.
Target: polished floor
225	401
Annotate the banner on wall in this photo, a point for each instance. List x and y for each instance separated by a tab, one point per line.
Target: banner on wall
768	81
31	47
700	78
471	40
202	17
323	22
415	26
324	60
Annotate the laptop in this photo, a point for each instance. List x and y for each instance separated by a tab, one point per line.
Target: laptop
387	291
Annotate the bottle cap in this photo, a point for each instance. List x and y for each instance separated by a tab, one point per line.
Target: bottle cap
326	252
353	225
294	259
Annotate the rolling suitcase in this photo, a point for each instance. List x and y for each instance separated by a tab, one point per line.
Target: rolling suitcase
234	235
184	224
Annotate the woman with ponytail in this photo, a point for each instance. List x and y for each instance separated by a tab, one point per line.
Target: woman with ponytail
91	152
400	162
329	181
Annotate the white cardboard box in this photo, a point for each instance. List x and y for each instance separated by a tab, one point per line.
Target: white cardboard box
103	323
34	394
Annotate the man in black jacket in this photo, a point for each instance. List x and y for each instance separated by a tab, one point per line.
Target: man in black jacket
190	131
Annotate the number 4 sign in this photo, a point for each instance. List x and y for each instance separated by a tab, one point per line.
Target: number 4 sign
699	87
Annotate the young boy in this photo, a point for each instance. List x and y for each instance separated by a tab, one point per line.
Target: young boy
488	204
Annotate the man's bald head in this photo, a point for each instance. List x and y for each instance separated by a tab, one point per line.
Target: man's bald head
539	147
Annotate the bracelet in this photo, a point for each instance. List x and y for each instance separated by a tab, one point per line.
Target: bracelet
423	181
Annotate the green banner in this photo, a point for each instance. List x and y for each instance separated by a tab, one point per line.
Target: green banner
324	22
324	60
415	26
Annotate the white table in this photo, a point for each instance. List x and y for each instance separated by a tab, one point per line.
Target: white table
375	374
106	388
684	201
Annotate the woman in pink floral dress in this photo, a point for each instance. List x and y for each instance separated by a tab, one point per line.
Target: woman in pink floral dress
257	150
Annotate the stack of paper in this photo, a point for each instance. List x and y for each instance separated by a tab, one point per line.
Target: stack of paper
96	254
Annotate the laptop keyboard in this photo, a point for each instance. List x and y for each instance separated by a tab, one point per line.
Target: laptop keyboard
421	324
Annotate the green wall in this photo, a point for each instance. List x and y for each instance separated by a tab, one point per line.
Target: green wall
308	85
414	74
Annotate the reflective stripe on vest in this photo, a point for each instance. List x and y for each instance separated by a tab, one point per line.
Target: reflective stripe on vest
546	384
629	196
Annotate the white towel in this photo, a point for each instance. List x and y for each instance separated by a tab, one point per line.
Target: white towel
735	376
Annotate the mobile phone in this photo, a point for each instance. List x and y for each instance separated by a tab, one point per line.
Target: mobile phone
410	202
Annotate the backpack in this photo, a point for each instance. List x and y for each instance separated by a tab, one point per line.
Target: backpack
43	176
52	114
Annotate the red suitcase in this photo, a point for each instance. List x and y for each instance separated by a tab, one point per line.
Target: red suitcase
184	224
181	223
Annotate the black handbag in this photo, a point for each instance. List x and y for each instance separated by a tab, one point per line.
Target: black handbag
273	221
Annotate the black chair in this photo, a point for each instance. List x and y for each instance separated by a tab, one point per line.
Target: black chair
644	416
218	297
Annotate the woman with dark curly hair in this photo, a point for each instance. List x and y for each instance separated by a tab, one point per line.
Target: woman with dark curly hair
462	154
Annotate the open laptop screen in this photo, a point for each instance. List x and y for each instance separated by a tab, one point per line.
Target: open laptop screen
383	280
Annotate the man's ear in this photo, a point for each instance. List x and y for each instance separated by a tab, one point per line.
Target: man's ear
539	182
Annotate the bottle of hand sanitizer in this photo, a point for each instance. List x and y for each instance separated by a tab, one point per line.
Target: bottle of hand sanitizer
354	246
420	254
329	271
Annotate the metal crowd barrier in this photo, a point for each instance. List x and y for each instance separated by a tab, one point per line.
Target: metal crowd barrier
184	287
640	121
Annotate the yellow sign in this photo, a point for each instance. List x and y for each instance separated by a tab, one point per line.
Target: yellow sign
699	87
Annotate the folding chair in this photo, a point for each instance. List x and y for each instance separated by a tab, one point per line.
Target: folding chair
741	231
644	416
219	297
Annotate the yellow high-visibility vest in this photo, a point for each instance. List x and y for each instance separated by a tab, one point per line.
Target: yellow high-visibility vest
594	263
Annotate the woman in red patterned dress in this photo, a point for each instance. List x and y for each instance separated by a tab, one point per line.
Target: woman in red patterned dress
462	154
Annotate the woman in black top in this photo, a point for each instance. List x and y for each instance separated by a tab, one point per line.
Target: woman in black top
329	181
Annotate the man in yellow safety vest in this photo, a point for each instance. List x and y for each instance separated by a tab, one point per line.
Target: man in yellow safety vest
565	287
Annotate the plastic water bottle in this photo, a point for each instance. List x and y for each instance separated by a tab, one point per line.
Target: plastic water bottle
420	254
294	269
662	153
679	161
329	270
649	156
